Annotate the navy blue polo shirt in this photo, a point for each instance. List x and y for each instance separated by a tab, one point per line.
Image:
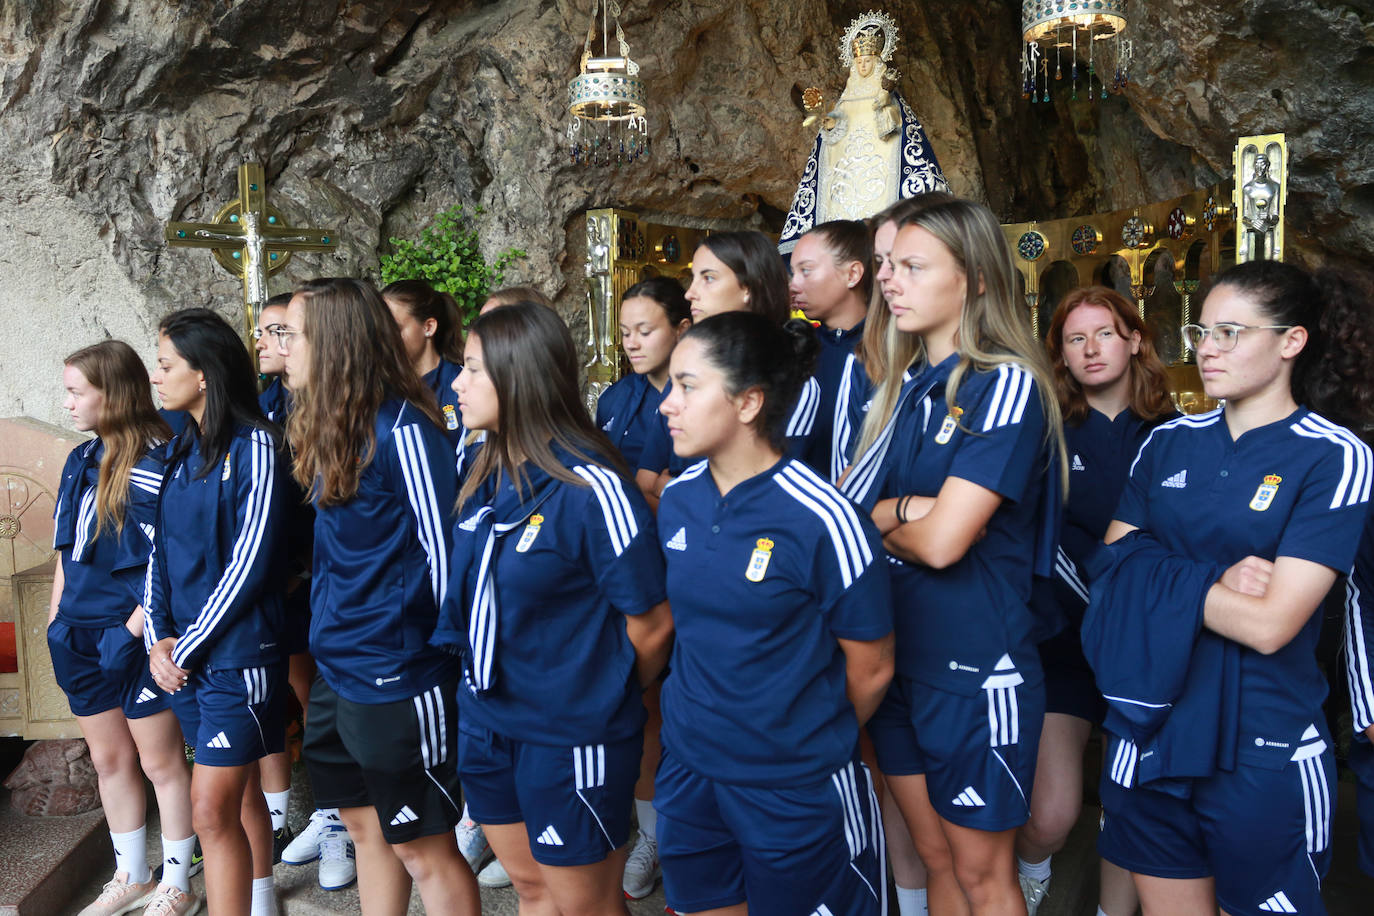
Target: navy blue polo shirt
659	456
627	412
439	380
955	625
837	346
1298	487
381	565
762	582
1359	631
103	576
543	578
218	568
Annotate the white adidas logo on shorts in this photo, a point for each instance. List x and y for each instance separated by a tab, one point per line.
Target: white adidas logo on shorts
550	837
144	696
969	798
404	816
1279	903
220	741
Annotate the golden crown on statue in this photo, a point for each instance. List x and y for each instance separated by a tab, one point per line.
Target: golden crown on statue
873	33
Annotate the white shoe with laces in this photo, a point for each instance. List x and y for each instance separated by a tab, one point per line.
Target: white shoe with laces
118	897
1034	891
337	866
642	870
306	845
173	901
494	875
472	843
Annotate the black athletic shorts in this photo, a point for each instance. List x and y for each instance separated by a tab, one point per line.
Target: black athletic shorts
401	758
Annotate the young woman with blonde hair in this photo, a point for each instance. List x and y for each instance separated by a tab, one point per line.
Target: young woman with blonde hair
962	469
106	507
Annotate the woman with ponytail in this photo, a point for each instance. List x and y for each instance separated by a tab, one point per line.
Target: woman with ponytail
962	468
106	507
557	607
784	647
1262	503
431	326
214	614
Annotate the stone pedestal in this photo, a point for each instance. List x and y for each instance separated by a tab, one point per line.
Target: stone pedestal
31	457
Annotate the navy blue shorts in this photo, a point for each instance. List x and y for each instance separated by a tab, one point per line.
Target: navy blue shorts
399	758
233	716
894	740
976	752
574	801
1263	834
1362	763
1070	686
100	670
816	848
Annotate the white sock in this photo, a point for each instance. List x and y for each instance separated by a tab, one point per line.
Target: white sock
264	897
911	901
176	861
1040	871
276	806
1102	912
648	818
465	818
131	854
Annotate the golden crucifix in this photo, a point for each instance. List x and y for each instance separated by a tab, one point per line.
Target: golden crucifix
250	239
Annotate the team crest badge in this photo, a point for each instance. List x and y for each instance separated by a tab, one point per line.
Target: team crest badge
1265	494
450	417
948	427
225	475
758	560
529	534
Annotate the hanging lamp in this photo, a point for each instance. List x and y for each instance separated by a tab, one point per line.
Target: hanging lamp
606	100
1077	26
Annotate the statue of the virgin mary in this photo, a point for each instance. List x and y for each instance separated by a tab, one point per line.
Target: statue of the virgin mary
870	150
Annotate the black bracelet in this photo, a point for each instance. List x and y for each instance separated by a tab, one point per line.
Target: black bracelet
901	508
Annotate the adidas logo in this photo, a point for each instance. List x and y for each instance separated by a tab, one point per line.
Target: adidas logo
1279	903
469	524
220	741
550	837
1078	464
969	798
678	541
404	816
1176	482
144	696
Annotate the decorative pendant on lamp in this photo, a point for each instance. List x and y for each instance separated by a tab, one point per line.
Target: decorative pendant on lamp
1058	34
607	99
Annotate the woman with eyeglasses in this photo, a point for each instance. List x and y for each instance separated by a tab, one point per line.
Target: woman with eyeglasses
213	609
1271	490
381	730
1113	390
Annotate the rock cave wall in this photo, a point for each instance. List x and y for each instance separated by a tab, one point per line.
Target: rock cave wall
117	116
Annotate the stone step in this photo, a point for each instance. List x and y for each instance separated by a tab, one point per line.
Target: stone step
45	861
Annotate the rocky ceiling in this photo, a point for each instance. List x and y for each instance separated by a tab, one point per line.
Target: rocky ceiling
372	115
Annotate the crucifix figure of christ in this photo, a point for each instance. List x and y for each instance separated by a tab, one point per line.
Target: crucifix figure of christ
250	239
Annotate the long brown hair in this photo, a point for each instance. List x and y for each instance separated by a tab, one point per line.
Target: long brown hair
357	361
1150	399
529	355
129	423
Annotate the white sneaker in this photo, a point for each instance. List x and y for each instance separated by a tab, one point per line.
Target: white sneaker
472	843
494	875
118	897
337	867
641	868
1034	891
306	846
